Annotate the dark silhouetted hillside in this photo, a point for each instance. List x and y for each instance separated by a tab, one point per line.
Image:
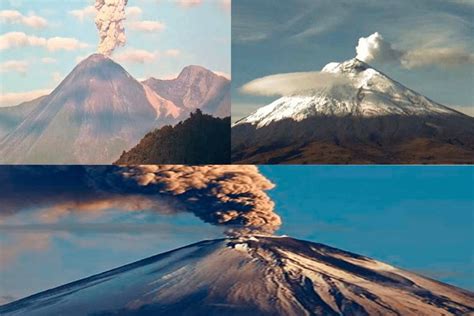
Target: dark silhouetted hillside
201	139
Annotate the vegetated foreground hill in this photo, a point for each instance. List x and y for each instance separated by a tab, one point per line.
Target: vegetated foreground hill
368	119
201	139
254	275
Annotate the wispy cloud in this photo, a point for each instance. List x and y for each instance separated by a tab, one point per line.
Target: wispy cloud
16	17
290	83
20	39
15	98
20	66
147	26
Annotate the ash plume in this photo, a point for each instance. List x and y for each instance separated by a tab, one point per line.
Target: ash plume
229	196
110	24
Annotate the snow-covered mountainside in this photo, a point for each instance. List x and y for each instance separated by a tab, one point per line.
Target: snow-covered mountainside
98	111
251	276
363	117
366	92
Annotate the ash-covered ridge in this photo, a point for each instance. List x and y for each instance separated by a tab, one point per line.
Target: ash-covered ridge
251	276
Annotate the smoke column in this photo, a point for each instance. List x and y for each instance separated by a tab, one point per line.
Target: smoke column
230	196
109	22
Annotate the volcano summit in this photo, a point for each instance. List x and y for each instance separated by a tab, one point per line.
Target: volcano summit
251	276
369	118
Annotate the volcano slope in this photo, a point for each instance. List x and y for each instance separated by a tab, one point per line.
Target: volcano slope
251	276
368	119
99	110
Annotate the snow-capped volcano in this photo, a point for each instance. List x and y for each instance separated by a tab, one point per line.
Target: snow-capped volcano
365	92
251	276
362	116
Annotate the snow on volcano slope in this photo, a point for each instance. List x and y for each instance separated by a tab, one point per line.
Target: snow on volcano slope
252	276
366	93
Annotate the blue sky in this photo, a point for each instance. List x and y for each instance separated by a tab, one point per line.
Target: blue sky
196	32
417	218
305	35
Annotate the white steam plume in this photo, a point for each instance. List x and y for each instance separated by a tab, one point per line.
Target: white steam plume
374	48
109	21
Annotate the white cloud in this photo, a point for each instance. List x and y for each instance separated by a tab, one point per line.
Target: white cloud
82	14
173	52
290	83
64	43
15	98
375	49
14	65
15	17
137	56
147	26
189	3
20	39
133	12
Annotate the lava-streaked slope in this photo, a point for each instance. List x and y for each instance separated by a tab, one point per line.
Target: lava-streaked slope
251	276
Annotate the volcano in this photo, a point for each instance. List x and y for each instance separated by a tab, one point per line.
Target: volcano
98	111
368	119
251	276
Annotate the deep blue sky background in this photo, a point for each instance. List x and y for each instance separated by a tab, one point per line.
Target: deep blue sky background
305	35
420	218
